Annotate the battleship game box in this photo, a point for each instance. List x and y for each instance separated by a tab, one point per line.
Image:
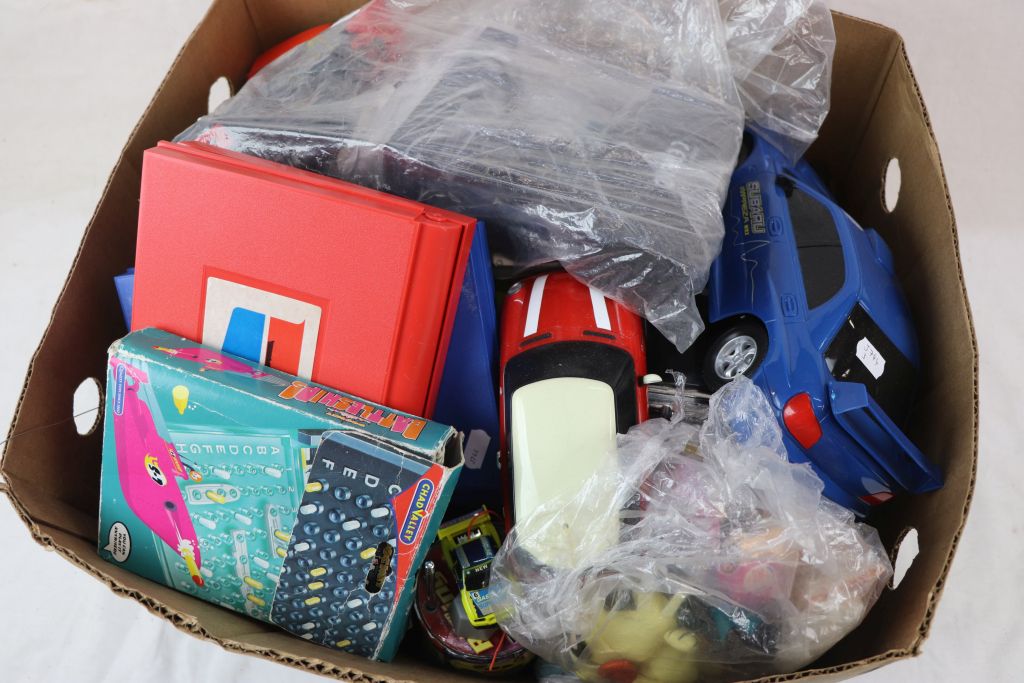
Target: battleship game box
290	502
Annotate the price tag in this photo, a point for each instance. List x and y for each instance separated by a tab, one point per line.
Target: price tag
870	357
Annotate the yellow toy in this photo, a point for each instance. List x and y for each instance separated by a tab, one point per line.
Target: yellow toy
468	545
638	640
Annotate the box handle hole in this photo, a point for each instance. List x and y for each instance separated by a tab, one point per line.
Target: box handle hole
903	554
86	406
219	92
892	179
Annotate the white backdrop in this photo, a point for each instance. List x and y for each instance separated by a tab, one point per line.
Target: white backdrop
74	77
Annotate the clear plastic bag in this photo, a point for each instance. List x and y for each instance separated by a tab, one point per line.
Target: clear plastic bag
599	133
781	53
729	563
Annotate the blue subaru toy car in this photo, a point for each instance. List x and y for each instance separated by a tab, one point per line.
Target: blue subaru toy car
805	302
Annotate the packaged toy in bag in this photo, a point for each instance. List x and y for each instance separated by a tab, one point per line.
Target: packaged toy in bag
598	133
729	563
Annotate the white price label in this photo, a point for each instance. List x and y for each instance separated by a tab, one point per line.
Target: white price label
871	358
476	448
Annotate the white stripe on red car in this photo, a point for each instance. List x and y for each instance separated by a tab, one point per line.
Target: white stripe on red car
533	308
600	306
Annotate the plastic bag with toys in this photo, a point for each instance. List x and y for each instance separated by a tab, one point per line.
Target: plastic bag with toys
599	133
729	563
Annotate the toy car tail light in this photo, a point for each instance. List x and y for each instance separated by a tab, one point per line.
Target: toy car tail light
802	423
877	498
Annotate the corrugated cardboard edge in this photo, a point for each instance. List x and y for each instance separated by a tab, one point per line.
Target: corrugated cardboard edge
936	591
191	626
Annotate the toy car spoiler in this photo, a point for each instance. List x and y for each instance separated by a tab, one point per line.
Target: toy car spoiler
866	422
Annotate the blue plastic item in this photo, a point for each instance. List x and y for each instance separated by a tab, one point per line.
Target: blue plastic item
125	285
467	398
805	302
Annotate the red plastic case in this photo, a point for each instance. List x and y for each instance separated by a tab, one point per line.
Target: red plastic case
357	289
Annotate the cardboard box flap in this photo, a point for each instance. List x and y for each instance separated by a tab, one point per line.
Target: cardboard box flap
275	22
864	53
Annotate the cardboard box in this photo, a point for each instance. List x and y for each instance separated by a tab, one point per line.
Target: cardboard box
52	473
295	504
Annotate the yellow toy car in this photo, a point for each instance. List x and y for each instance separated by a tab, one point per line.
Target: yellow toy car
468	544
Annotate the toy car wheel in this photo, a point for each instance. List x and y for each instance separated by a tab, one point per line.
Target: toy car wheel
738	347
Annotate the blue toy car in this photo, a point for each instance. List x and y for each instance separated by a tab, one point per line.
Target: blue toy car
805	302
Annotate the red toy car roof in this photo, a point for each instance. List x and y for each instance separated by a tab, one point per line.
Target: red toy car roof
556	307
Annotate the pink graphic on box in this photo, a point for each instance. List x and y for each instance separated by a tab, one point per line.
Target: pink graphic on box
147	465
213	360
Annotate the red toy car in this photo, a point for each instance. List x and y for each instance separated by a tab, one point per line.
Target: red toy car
573	375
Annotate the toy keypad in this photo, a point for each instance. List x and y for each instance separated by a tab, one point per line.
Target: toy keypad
344	518
248	484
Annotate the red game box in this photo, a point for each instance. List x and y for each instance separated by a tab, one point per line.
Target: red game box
351	287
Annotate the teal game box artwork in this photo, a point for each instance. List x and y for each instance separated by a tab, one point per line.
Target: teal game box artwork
272	496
